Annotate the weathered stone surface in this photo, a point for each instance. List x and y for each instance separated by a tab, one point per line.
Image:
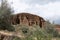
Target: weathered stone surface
27	19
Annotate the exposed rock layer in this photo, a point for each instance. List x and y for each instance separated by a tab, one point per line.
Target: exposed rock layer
27	19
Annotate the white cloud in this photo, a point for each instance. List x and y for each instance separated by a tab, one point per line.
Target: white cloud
38	1
49	11
18	6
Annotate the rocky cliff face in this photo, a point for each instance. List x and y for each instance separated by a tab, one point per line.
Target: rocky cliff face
27	19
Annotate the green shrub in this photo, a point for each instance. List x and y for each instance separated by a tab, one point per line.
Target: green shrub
35	32
16	38
6	26
5	13
49	28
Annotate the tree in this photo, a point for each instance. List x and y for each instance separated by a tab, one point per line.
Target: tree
5	13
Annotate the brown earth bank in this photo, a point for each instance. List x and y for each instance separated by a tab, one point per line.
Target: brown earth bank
57	27
27	19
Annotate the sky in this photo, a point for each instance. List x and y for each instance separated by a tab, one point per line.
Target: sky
48	9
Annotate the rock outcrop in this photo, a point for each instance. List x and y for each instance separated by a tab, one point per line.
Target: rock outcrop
27	19
24	19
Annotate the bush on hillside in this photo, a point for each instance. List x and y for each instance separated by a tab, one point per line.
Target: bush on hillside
6	26
16	38
50	29
5	13
35	32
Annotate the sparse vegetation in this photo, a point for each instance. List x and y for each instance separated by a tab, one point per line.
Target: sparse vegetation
16	38
5	12
50	29
34	33
37	33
